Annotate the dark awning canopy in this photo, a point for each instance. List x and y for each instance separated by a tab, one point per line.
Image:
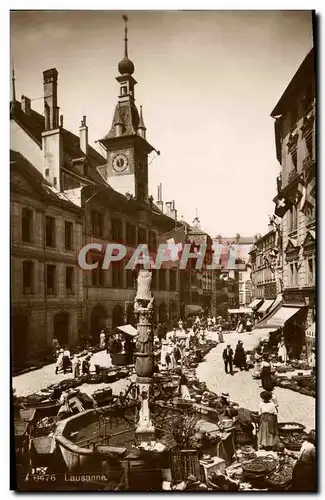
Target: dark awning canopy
255	303
192	309
282	316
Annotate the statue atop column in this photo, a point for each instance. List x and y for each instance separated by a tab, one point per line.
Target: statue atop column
143	311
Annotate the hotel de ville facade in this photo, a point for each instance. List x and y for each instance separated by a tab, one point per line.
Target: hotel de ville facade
65	194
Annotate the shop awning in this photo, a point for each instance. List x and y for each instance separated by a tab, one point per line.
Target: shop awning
282	316
192	309
128	329
265	306
311	331
244	310
255	303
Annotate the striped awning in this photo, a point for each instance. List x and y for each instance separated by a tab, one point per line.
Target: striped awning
282	316
311	331
255	303
265	306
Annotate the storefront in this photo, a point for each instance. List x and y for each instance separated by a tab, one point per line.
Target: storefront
289	321
310	337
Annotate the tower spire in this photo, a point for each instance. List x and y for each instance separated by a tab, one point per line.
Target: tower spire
141	126
125	36
126	66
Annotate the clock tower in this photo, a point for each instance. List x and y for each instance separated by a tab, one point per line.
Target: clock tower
127	149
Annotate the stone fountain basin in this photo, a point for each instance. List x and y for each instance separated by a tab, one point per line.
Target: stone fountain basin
84	459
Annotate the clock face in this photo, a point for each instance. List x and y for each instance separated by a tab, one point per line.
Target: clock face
120	163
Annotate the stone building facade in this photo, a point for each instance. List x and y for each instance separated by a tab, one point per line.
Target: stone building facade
47	284
294	116
267	268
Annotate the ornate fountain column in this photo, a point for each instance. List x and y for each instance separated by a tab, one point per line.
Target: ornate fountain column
144	364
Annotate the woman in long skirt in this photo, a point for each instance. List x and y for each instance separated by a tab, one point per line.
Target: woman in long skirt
304	472
220	334
240	356
102	340
266	375
75	367
268	433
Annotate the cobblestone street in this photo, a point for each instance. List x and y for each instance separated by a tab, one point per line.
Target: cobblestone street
243	389
35	381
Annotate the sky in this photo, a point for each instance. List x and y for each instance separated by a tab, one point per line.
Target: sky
207	80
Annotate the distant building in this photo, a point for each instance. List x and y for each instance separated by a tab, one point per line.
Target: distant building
235	292
266	270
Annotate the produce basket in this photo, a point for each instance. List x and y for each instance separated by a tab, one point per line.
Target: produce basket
260	465
290	427
95	379
294	440
281	478
110	376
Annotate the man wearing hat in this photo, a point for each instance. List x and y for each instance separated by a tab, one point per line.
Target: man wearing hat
222	404
227	356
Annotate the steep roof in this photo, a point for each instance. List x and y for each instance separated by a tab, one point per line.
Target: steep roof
34	124
19	162
304	73
127	115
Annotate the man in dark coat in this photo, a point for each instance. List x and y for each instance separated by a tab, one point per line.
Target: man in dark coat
228	359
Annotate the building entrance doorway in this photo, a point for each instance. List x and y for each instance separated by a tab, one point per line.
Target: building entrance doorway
61	328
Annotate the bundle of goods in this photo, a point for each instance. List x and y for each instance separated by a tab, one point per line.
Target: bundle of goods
256	374
94	378
306	381
283	368
281	478
284	382
300	365
110	376
246	453
69	383
123	372
45	426
220	482
286	428
294	440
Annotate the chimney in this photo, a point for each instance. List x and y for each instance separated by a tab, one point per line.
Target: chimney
83	134
52	145
25	104
170	209
159	202
51	110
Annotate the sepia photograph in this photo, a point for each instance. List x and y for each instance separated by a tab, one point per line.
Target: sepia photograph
163	250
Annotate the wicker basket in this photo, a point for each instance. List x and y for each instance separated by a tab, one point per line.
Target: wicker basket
296	427
266	465
275	483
